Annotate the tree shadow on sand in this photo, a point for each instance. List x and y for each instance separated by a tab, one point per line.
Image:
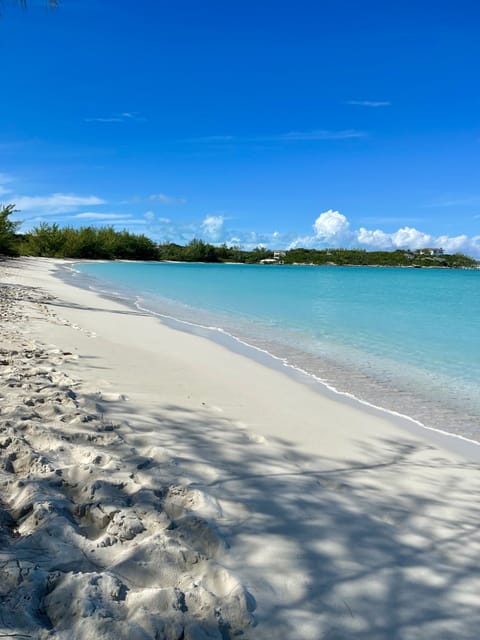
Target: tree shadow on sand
385	546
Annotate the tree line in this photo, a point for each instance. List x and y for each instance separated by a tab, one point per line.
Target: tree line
87	243
105	243
361	257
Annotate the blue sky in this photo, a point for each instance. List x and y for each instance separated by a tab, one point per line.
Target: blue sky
287	123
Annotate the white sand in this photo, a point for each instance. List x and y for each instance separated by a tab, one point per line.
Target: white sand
157	485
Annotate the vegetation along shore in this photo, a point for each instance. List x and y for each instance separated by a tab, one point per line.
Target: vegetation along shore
106	243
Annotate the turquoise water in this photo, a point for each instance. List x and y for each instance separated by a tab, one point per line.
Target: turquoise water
403	339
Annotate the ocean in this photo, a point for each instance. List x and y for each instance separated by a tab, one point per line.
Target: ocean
406	340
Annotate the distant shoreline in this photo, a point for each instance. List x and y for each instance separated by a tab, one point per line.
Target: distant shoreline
374	266
292	264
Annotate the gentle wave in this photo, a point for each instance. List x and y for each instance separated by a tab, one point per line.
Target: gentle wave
284	362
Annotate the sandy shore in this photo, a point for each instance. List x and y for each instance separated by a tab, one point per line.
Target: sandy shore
157	485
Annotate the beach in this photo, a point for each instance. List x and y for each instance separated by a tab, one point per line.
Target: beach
156	484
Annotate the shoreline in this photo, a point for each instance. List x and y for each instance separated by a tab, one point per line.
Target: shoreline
263	357
455	442
293	514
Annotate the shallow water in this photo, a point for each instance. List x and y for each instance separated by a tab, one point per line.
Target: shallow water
403	339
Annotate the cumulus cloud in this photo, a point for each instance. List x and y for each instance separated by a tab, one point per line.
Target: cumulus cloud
333	229
410	238
460	244
376	239
331	226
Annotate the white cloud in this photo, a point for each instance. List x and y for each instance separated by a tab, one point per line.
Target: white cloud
213	226
370	103
411	238
164	199
459	244
375	239
331	226
55	203
330	229
333	229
